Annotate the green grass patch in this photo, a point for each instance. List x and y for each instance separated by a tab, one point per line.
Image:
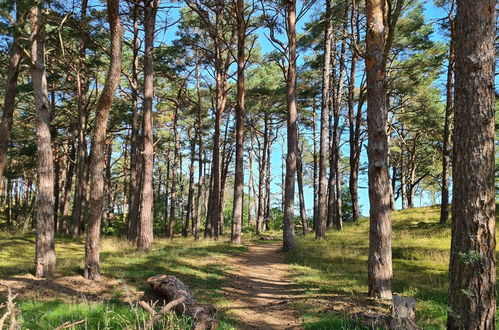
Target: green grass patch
199	264
337	266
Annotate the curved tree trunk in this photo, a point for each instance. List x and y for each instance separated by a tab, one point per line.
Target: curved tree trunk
472	290
92	253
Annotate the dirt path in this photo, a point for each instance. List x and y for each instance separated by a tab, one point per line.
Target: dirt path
260	292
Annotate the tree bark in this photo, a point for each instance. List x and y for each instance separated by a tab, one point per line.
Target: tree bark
299	174
380	250
204	316
92	253
173	195
447	139
189	217
336	216
10	95
472	290
261	177
199	134
354	121
292	132
135	163
322	209
145	229
80	194
45	258
68	182
237	217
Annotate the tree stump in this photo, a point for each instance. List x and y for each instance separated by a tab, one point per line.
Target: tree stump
204	316
403	313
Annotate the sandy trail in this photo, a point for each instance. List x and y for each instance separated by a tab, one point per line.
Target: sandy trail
260	291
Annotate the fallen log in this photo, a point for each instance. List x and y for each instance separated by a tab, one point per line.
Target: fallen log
204	316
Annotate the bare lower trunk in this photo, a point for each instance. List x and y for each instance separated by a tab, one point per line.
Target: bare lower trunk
173	193
261	177
299	174
237	217
322	209
9	98
354	139
45	259
80	194
135	159
92	253
189	217
292	133
68	182
336	217
472	290
380	250
145	229
447	139
316	173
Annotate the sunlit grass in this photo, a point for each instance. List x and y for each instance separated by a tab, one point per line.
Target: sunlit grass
199	264
338	265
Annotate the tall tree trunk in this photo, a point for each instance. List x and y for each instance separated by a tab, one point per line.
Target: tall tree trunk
237	216
261	177
167	194
251	186
380	248
190	197
65	210
336	217
299	174
145	229
80	195
57	187
10	95
322	209
354	137
447	145
199	134
173	195
292	132
472	291
135	159
97	163
316	172
267	188
45	259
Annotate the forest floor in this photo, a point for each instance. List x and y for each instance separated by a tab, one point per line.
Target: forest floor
260	290
254	286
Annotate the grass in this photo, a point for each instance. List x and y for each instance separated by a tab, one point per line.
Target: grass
336	268
332	273
198	264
